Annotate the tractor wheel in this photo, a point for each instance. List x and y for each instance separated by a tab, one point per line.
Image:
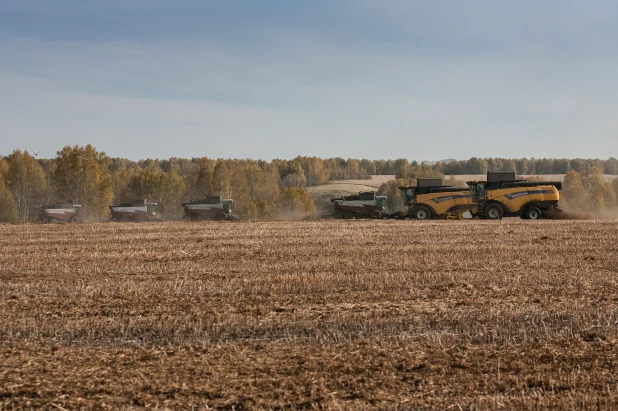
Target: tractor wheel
73	219
422	213
221	216
53	220
532	213
145	218
493	212
375	214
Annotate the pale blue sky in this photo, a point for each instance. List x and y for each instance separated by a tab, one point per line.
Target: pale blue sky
424	80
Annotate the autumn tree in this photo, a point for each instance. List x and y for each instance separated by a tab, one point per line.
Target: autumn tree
561	166
600	192
221	179
611	166
146	184
82	175
394	200
122	172
545	166
239	186
477	165
354	170
27	183
406	172
8	211
295	180
171	195
336	168
262	181
295	202
573	194
314	171
263	186
167	189
260	209
203	186
521	165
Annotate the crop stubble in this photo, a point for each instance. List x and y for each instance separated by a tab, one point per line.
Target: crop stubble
333	314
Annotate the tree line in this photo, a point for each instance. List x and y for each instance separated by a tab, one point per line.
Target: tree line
260	189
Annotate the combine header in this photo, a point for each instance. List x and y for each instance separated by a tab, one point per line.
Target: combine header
363	205
136	210
210	208
59	212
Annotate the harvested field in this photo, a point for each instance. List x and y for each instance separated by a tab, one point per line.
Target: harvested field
340	314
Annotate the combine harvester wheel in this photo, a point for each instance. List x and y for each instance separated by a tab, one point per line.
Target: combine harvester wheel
532	213
493	212
422	213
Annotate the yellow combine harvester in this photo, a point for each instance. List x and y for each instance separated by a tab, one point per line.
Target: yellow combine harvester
502	195
430	199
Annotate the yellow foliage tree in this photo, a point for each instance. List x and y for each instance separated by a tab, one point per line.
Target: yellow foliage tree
8	212
172	192
294	203
26	180
600	192
82	175
573	194
394	200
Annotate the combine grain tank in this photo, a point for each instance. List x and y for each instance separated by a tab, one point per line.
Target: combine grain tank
363	205
136	210
211	208
66	212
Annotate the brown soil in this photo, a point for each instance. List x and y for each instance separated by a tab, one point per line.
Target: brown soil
310	314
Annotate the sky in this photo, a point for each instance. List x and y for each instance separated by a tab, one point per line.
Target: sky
376	79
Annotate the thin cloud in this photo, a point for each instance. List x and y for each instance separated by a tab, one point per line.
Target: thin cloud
455	88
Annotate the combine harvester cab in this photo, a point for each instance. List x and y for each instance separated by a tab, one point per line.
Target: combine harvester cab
210	208
430	199
364	205
503	195
66	212
136	210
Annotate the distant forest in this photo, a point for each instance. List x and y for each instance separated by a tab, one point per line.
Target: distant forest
260	189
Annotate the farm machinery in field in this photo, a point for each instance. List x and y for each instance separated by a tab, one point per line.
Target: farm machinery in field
136	210
66	212
503	195
364	205
430	199
210	208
